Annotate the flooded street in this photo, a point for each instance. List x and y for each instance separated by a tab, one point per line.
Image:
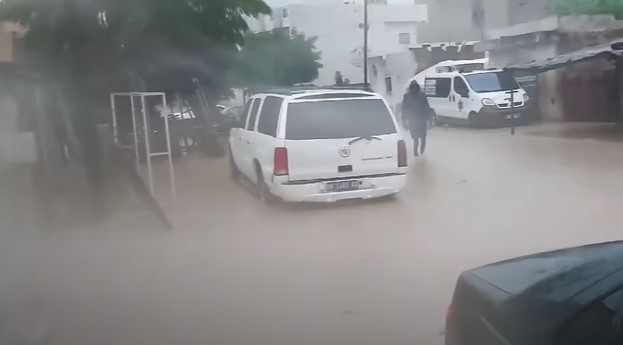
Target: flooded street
236	272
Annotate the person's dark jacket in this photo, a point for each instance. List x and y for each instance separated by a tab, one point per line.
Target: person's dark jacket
415	107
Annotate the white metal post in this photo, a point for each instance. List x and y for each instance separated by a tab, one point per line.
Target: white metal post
114	119
150	173
168	134
135	134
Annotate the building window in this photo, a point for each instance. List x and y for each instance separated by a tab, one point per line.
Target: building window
284	12
404	38
389	88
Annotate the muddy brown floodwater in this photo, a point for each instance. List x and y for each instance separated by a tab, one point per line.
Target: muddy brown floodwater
235	272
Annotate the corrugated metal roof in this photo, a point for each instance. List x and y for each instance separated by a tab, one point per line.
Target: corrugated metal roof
609	50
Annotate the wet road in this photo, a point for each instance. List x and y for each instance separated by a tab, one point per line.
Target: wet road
235	272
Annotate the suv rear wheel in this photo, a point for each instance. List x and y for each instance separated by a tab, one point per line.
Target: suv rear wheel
234	172
262	189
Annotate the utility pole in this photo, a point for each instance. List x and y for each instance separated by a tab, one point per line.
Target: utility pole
513	116
366	83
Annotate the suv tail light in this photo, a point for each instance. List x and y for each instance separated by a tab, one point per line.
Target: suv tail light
402	154
281	161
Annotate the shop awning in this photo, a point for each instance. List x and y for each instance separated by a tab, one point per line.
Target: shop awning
607	51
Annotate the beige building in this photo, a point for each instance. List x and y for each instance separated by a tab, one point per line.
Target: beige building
548	38
470	20
10	40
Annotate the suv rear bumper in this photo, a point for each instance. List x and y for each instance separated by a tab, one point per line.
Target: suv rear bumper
372	187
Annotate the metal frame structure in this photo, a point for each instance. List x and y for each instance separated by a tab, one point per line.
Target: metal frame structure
147	134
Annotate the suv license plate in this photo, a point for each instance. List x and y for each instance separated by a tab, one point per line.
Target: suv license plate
342	186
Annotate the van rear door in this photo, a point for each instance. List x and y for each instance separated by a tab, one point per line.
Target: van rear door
333	138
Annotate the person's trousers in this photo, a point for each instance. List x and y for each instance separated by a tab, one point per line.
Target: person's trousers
419	133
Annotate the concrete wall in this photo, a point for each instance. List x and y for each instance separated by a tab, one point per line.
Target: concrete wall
469	20
551	104
16	145
400	67
7	48
502	57
448	21
521	11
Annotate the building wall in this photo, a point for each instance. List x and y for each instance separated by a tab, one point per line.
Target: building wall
521	11
337	27
399	68
448	21
502	57
469	20
547	38
7	48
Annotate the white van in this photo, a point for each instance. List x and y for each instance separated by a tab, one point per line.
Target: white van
319	146
477	98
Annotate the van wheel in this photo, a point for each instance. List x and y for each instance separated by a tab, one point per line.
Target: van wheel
472	119
262	189
234	172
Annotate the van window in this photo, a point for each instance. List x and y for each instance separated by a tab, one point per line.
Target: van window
492	82
437	87
460	87
336	119
269	117
253	114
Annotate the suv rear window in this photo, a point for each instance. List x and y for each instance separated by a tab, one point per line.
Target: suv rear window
337	119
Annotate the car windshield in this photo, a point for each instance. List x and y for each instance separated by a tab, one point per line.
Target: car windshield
334	119
492	82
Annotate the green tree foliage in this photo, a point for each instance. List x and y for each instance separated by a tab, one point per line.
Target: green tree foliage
93	47
167	42
339	78
277	59
577	7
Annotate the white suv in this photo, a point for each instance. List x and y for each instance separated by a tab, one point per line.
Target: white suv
319	146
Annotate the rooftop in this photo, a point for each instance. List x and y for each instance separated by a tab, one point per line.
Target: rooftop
609	50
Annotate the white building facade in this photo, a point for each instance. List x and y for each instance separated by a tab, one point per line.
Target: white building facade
338	27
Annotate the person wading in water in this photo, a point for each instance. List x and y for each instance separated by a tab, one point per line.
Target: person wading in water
415	116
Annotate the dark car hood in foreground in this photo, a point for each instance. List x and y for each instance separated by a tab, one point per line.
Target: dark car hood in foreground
549	270
524	298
